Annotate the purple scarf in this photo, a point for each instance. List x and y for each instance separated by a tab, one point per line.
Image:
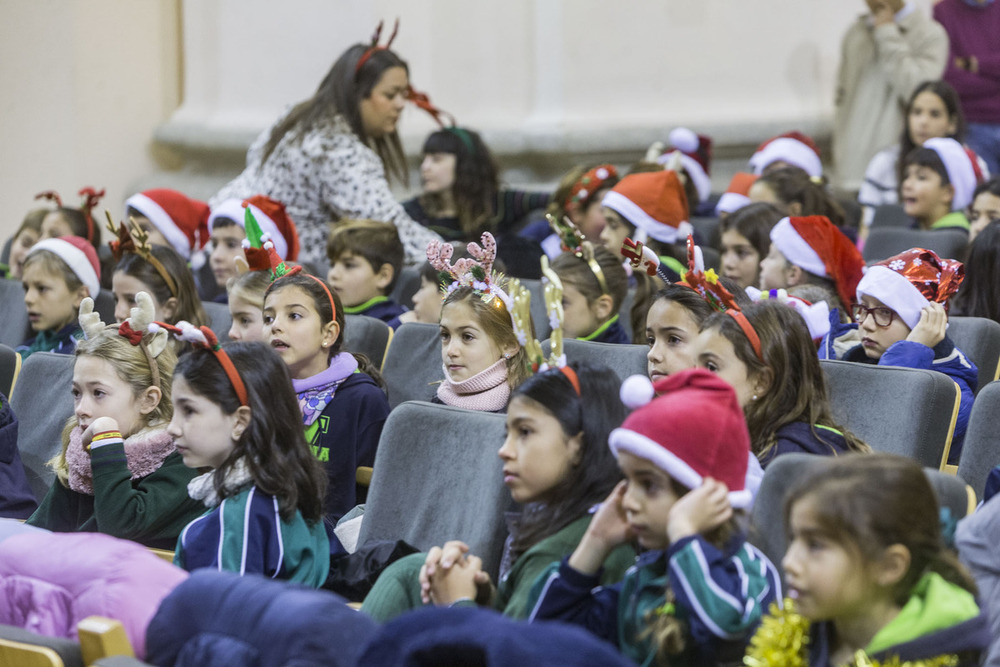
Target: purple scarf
316	392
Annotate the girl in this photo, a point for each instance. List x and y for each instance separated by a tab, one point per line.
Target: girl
767	355
746	241
246	305
343	406
119	472
163	274
482	358
869	579
462	196
58	275
698	591
594	286
934	110
557	465
985	207
233	408
978	294
901	311
577	197
26	236
426	300
796	193
67	221
939	179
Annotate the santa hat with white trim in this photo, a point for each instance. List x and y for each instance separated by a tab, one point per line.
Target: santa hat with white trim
814	244
694	428
962	165
79	255
909	281
182	221
695	152
270	215
737	195
795	148
654	203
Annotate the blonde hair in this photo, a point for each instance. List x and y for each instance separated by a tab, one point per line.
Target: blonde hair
132	367
250	286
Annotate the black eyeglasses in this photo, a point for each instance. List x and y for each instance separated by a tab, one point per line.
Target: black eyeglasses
883	316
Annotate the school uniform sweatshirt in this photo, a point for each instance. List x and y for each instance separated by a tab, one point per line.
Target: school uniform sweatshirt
803	438
381	308
611	331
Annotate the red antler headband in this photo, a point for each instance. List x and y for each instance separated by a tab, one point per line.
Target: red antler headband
91	197
204	338
375	46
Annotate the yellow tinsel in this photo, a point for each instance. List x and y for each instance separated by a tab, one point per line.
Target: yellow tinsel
782	640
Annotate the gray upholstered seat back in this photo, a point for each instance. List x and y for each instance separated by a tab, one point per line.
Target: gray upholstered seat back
42	402
436	478
624	360
412	366
885	242
903	411
979	339
368	336
539	316
981	449
220	321
407	284
890	215
14	328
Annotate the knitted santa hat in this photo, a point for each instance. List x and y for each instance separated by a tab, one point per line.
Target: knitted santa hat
907	282
182	221
655	203
79	255
693	428
794	148
814	244
737	195
962	165
696	157
270	215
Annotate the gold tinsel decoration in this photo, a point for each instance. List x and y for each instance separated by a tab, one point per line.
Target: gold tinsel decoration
782	640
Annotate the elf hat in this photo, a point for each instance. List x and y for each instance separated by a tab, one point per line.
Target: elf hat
270	215
693	428
79	256
814	244
907	282
696	157
737	195
182	221
962	165
794	148
655	203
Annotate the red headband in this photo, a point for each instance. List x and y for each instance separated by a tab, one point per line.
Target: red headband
374	45
333	306
748	329
204	338
572	377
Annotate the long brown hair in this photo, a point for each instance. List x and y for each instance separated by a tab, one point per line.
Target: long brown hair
476	184
797	391
794	185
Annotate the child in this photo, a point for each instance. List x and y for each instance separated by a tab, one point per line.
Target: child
869	579
234	412
746	240
792	149
577	197
158	271
481	356
246	305
938	181
26	236
736	196
699	590
978	295
119	472
811	250
170	218
58	275
226	227
365	259
427	300
557	465
767	355
985	207
902	314
796	193
67	221
343	409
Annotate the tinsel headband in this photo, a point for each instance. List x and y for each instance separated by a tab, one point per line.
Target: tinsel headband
572	240
521	316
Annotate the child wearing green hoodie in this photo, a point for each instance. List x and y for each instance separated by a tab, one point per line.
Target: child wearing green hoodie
869	579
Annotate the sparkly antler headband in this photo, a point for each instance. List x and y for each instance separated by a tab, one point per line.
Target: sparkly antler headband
136	242
572	240
475	272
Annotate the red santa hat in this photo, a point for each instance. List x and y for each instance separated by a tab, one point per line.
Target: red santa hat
909	281
737	195
592	182
270	215
814	244
693	428
655	203
182	221
794	148
962	165
695	153
79	255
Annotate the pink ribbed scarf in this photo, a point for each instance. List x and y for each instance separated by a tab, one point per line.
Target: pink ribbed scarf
486	391
145	452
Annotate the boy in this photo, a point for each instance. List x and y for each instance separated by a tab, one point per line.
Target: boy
365	259
939	180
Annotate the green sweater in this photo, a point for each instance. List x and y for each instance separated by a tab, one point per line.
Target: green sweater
152	510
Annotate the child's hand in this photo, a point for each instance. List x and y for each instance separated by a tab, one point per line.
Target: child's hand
931	328
464	579
99	425
699	511
442	559
882	13
607	530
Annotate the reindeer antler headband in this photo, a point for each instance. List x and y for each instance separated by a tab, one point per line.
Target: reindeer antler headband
572	240
475	272
134	329
136	242
204	338
90	199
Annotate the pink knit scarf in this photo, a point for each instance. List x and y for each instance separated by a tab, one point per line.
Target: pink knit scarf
486	391
145	452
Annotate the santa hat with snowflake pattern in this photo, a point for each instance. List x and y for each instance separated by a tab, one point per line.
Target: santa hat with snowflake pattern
795	148
270	215
814	244
909	281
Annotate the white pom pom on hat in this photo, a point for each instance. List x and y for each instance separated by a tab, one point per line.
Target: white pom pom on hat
684	139
636	391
